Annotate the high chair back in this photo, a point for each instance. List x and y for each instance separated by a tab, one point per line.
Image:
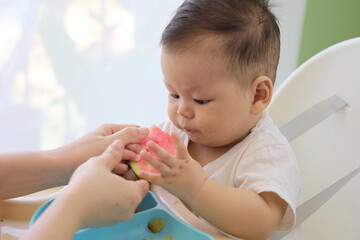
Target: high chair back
318	109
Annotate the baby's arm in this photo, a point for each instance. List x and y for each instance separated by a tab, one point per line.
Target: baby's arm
239	212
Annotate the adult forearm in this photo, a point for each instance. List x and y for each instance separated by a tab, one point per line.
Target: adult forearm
60	221
27	172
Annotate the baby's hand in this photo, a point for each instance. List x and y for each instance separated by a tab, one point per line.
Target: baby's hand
180	174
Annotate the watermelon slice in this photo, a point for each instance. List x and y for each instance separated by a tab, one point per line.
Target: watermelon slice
161	138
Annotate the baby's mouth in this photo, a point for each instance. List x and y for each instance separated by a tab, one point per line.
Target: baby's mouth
188	130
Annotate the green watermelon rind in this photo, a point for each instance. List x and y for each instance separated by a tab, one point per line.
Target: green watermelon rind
135	168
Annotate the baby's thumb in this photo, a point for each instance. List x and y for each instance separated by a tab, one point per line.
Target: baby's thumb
113	154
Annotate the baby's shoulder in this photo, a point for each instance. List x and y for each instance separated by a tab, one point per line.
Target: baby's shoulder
265	138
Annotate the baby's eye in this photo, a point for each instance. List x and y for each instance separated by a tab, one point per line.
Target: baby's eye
201	102
174	96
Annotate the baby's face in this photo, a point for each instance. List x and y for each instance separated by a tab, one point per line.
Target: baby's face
213	109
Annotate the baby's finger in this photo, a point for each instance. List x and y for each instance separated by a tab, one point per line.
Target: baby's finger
151	177
180	148
166	157
162	168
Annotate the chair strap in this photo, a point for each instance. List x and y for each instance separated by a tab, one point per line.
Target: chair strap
310	206
311	117
296	127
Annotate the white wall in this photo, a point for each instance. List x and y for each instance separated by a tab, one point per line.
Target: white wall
291	17
68	66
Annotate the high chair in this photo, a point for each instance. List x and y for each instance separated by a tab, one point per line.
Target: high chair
318	109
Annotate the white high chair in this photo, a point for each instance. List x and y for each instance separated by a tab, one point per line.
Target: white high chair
323	91
318	109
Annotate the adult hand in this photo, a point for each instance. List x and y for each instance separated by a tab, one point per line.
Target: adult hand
104	197
31	171
94	143
94	197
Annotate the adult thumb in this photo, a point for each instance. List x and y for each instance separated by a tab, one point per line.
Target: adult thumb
144	186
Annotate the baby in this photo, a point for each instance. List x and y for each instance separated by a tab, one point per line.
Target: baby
232	165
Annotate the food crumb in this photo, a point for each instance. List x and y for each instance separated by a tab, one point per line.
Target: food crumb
156	225
168	238
176	202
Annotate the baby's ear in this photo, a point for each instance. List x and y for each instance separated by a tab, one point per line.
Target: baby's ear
261	89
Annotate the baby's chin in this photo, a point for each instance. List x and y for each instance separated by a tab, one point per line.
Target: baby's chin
211	142
206	142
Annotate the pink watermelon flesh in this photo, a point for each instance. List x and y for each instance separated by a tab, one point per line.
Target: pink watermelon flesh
161	138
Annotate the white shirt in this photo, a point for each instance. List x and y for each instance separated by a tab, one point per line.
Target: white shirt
262	162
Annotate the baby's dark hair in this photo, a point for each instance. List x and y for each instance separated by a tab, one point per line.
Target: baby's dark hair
247	29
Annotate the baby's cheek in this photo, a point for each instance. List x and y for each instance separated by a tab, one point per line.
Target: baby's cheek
175	122
172	109
211	130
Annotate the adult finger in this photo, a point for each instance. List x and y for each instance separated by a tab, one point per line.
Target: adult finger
131	135
112	155
134	147
112	128
107	129
129	155
144	186
121	168
117	127
129	175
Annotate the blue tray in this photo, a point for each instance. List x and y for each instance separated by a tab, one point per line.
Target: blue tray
137	228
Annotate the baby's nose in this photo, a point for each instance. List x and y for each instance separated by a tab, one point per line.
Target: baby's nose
185	110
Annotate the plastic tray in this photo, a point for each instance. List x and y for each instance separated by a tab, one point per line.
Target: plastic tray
137	228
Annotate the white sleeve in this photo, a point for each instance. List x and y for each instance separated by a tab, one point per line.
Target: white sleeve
272	169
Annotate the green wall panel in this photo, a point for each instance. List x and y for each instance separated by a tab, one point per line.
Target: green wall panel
328	22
